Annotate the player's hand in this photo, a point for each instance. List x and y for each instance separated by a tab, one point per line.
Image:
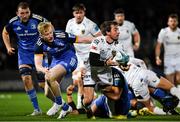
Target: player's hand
111	62
11	51
47	76
158	61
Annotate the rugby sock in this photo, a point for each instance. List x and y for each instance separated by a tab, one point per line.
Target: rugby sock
79	103
65	107
159	93
32	95
159	111
58	100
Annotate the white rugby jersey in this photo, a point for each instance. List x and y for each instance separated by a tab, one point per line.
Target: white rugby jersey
127	29
100	46
170	40
105	50
85	28
132	73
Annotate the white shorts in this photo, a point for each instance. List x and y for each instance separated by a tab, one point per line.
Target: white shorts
102	74
141	82
83	63
171	64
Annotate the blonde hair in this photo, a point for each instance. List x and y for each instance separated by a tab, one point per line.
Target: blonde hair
44	27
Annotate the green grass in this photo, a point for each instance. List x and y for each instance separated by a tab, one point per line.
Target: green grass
16	107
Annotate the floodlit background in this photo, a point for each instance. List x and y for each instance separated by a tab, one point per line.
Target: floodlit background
149	17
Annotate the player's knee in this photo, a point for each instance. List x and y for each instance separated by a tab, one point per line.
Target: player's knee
25	71
27	81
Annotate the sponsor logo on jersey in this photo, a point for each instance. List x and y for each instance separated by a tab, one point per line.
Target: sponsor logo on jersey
18	28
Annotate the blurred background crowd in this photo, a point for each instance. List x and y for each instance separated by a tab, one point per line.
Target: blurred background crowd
149	16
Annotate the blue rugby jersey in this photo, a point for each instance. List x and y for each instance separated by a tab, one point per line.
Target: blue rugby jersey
62	42
26	33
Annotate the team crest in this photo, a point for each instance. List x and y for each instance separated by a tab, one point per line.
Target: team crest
33	26
83	31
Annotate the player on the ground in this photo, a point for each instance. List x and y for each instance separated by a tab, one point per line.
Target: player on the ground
139	79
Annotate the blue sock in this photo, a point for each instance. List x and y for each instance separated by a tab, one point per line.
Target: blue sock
58	100
159	93
65	107
32	95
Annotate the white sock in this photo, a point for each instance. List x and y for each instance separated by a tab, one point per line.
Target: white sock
175	91
159	111
79	104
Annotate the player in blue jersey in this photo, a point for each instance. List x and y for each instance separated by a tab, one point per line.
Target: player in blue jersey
24	28
115	102
59	45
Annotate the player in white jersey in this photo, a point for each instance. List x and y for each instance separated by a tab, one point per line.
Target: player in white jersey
129	35
102	50
82	26
169	37
139	79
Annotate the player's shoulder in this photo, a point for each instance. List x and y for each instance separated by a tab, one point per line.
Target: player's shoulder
88	21
13	19
37	17
164	30
178	29
99	39
71	21
126	22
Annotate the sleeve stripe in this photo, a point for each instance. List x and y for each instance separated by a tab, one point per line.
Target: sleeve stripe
76	41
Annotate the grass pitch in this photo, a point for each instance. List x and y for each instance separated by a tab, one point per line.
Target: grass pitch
16	107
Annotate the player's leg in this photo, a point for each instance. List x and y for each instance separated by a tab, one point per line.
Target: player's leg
88	88
99	107
169	69
171	77
70	101
141	91
77	79
177	79
154	81
168	101
26	63
26	72
57	72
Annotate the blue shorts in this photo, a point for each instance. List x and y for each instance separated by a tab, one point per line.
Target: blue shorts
25	57
120	107
68	60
